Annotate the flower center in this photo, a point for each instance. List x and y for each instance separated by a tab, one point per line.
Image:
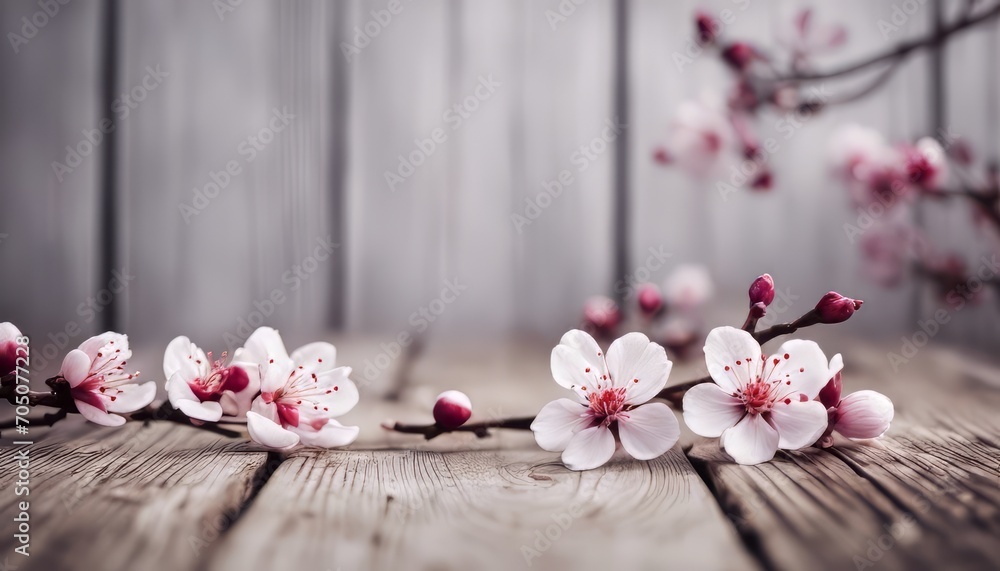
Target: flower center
607	403
756	397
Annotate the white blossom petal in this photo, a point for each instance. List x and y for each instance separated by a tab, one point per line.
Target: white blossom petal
710	411
75	367
182	356
590	448
319	356
639	365
557	422
726	352
132	397
98	416
577	362
269	433
332	435
804	371
263	345
751	441
648	431
799	424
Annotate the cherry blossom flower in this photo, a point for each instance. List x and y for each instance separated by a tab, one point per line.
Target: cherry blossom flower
206	389
688	286
9	335
925	164
99	383
758	404
301	393
860	415
610	394
700	135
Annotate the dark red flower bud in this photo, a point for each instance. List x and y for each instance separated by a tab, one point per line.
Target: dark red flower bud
739	55
452	409
762	290
834	308
662	156
706	27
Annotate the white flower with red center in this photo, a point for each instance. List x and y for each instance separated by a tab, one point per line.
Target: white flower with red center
758	404
300	394
206	389
99	383
860	415
611	391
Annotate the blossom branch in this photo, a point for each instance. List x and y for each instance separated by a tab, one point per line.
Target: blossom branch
59	398
901	51
480	429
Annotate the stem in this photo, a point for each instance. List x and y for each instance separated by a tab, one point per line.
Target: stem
902	50
480	429
48	419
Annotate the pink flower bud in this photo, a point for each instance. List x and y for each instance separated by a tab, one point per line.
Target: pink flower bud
601	315
452	409
650	299
762	290
662	156
9	336
705	26
739	55
834	308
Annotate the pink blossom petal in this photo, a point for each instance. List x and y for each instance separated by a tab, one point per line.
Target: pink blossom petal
590	448
864	414
557	422
131	398
649	431
639	365
805	370
98	416
75	367
332	435
724	348
268	433
710	411
752	441
799	424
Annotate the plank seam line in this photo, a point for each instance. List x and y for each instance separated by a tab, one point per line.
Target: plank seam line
751	539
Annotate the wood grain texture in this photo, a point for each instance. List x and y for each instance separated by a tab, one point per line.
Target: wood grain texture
924	496
488	509
134	497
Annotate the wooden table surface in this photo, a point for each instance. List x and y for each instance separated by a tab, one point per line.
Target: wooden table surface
166	496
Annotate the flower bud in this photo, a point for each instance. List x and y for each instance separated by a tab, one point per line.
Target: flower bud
650	299
662	156
739	55
758	310
452	409
834	308
601	315
706	28
762	290
9	346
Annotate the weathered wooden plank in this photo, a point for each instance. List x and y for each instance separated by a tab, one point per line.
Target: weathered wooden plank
501	509
134	497
461	502
924	496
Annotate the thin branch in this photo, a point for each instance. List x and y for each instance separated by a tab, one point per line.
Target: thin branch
901	50
480	429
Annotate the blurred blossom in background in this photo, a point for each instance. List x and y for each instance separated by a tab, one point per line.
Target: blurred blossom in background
487	169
